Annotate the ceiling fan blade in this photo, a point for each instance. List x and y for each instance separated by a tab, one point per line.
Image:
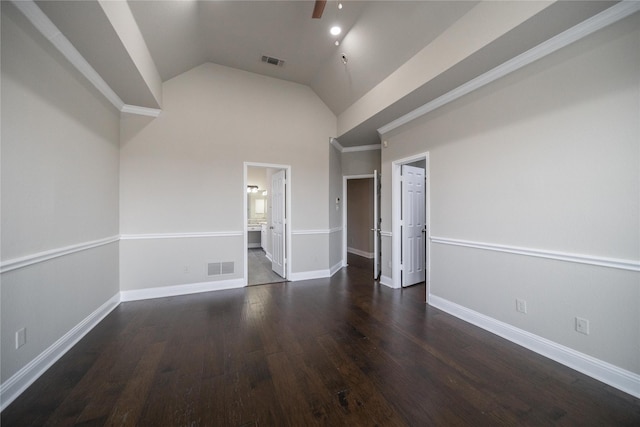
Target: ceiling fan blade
318	8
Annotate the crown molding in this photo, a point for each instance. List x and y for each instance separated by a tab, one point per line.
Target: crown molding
48	29
336	144
372	147
140	111
37	17
607	17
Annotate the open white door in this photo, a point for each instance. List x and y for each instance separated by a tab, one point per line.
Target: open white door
377	240
413	225
278	223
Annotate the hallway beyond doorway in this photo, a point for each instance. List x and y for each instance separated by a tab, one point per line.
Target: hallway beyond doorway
260	272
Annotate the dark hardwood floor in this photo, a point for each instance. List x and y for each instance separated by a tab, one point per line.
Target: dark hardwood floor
339	351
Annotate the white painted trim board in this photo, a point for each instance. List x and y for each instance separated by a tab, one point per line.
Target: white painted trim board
622	264
190	235
358	252
310	275
14	386
614	376
607	17
48	29
177	290
27	260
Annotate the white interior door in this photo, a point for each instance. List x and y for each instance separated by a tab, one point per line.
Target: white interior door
377	266
278	223
413	225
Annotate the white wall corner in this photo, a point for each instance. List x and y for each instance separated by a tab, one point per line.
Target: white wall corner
614	376
336	144
14	386
337	267
310	275
141	111
388	281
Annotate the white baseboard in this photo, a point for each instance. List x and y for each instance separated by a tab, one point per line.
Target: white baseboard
614	376
254	245
22	379
337	267
175	290
268	255
309	275
355	251
387	281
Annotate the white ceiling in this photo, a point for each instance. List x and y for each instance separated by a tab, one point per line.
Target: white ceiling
378	38
238	33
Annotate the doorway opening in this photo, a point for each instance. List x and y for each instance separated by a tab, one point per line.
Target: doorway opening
410	223
361	222
267	215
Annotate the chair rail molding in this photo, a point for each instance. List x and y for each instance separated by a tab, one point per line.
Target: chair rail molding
27	260
188	235
622	264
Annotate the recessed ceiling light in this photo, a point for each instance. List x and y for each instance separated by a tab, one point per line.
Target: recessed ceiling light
335	30
339	5
337	43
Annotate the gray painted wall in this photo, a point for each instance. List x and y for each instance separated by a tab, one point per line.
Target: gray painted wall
183	171
360	162
545	158
59	189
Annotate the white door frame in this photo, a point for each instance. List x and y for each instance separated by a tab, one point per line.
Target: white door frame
345	205
287	249
396	208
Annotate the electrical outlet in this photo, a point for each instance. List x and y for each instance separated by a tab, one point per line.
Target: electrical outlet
21	338
582	325
521	306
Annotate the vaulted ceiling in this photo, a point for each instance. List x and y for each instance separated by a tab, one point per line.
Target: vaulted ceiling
399	54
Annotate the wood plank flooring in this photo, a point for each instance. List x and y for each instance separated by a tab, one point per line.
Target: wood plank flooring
339	351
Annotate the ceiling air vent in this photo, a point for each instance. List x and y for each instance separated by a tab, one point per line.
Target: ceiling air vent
273	61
